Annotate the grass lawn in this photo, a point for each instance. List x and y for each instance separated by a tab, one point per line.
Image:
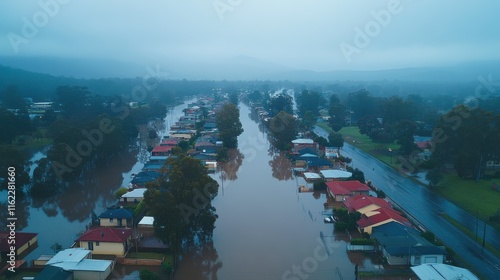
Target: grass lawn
147	255
474	197
363	142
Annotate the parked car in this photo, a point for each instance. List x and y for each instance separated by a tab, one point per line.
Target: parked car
329	220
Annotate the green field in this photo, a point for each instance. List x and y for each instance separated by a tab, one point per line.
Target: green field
474	197
363	142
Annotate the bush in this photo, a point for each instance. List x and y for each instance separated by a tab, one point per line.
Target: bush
146	274
319	186
120	192
362	241
138	208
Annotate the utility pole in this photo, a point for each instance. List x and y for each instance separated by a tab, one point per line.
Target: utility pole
484	234
477	222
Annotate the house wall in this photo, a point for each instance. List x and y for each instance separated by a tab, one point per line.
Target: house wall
131	199
30	243
105	248
92	275
106	222
423	259
395	260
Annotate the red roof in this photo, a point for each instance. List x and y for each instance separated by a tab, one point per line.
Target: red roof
116	235
21	239
423	145
162	149
346	187
170	142
382	214
357	202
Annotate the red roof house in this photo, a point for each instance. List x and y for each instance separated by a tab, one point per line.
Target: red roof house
24	241
170	142
365	203
161	150
380	217
341	190
106	241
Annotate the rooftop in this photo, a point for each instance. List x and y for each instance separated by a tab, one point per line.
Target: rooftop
303	141
442	271
335	173
381	215
101	234
21	239
72	255
135	193
360	201
346	187
147	221
118	213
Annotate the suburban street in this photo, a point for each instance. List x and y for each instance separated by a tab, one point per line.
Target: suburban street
425	207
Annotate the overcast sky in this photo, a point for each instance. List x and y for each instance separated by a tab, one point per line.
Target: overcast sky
302	34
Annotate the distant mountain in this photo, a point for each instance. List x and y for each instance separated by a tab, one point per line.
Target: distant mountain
245	68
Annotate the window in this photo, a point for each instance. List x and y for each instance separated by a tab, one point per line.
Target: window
110	220
97	243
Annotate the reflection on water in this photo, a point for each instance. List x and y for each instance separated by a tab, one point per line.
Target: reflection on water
280	165
229	169
205	263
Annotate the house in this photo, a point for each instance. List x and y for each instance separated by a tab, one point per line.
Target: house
116	217
170	142
335	174
144	177
341	190
317	164
364	203
402	245
303	143
25	243
331	152
311	177
152	166
161	150
80	262
182	134
133	196
439	271
106	241
380	217
146	226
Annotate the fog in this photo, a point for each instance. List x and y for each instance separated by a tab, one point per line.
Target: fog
281	35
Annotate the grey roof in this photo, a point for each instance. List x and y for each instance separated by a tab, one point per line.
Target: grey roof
398	239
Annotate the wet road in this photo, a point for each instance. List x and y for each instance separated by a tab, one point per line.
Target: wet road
426	206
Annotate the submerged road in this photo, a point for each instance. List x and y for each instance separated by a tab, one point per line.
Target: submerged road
425	206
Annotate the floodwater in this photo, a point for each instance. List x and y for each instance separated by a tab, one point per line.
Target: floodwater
266	229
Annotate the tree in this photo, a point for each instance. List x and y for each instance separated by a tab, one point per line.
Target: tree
469	137
229	125
309	120
255	96
282	129
336	139
309	101
12	99
182	206
434	177
280	102
337	112
234	98
405	130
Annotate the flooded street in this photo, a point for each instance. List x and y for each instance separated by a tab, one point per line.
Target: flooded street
266	229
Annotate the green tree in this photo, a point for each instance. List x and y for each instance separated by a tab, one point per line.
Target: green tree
234	98
182	206
434	177
469	137
12	157
12	99
405	130
336	139
309	101
280	102
282	129
255	96
337	112
309	120
229	125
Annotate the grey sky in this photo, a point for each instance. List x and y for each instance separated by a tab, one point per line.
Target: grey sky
296	33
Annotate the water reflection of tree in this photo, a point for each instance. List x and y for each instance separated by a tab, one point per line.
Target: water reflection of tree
22	213
281	165
79	199
200	263
231	167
